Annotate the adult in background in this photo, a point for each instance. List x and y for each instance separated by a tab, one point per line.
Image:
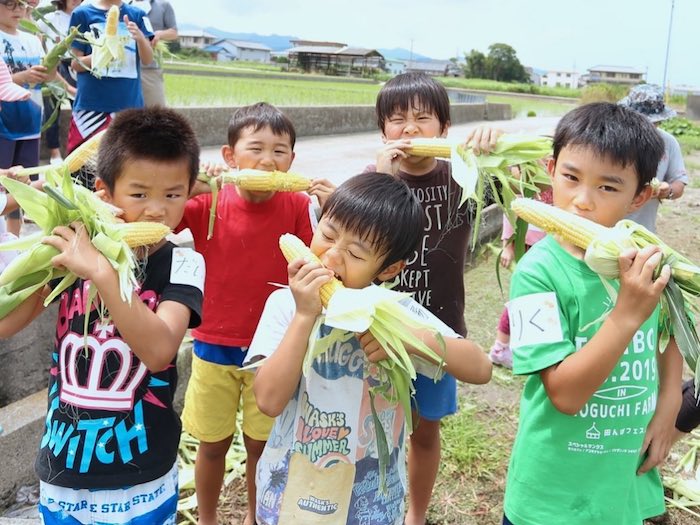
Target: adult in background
162	18
648	99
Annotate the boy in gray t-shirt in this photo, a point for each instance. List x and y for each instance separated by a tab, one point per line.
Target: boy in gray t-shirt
648	100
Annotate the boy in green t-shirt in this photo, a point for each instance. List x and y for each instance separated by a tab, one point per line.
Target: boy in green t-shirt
599	404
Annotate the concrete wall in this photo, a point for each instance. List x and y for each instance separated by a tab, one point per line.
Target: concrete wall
210	124
692	107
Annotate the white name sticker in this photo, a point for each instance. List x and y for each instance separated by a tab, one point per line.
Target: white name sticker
534	319
187	268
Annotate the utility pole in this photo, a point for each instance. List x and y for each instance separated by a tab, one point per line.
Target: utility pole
410	59
668	45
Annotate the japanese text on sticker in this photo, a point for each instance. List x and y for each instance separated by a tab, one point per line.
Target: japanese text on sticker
534	319
187	268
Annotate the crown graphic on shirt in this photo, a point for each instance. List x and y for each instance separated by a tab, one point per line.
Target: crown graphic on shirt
98	390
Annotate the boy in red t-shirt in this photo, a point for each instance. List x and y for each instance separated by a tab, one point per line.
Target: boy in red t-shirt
243	259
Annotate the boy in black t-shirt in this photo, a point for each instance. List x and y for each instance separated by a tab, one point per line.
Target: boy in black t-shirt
108	454
410	106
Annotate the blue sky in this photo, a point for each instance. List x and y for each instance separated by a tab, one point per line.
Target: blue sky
549	34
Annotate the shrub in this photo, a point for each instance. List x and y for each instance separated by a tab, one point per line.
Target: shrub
603	93
531	114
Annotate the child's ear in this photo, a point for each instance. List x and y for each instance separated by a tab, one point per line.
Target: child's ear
445	130
551	165
391	271
105	194
641	198
227	155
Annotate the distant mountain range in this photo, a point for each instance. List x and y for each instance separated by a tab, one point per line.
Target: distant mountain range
282	42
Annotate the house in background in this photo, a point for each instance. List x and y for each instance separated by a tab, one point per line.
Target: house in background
395	67
621	75
226	49
333	57
435	68
554	78
196	38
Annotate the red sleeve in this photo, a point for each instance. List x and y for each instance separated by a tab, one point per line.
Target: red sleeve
303	223
194	209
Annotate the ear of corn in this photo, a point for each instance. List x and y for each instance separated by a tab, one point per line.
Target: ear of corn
51	59
603	247
112	21
390	324
293	248
137	234
258	180
108	48
81	156
252	180
572	228
430	148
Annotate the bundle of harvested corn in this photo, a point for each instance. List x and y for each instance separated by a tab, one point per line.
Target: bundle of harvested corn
491	172
108	48
377	310
62	203
251	180
603	247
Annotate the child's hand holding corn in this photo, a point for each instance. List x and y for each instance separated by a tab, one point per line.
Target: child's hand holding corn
371	347
639	292
390	156
15	173
482	139
322	189
78	255
305	281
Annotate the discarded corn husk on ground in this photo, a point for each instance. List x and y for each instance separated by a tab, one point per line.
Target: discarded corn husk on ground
685	485
235	468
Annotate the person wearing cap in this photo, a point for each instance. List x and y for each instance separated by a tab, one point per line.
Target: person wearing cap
648	99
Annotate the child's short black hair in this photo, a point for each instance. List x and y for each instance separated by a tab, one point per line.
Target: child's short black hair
614	132
259	116
403	91
381	209
155	134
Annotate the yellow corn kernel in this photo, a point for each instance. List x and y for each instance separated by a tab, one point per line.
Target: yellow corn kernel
84	153
293	248
112	22
572	228
258	180
143	233
430	148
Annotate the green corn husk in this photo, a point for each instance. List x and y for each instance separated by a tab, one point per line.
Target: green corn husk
679	297
50	61
489	173
63	203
